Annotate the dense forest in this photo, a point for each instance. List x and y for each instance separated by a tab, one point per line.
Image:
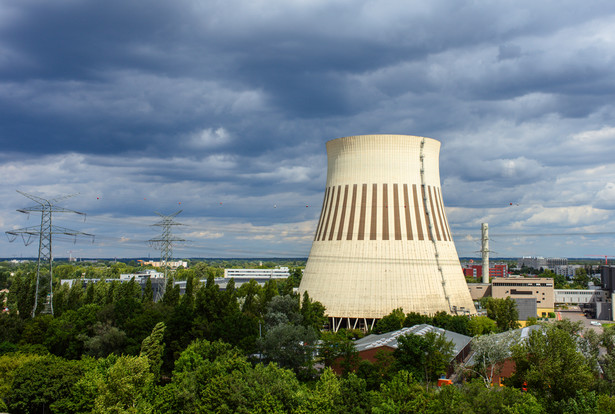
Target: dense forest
110	348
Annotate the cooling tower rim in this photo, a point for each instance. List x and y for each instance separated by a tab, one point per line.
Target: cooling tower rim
381	135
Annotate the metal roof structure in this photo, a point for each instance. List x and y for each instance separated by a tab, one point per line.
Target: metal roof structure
389	339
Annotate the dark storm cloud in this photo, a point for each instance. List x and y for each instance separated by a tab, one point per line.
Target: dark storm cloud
141	106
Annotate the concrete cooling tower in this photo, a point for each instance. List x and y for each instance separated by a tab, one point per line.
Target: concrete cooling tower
383	241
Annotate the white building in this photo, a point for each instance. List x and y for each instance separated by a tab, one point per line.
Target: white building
278	273
568	270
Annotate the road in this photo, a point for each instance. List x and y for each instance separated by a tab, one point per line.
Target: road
574	314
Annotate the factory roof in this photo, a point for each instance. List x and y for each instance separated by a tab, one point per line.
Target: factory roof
389	339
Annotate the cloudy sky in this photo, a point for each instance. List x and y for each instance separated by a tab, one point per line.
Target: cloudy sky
222	109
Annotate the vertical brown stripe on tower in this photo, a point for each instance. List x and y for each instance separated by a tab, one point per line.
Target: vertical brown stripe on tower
322	214
343	215
329	208
419	226
337	206
424	204
353	206
407	213
385	212
435	194
448	230
434	214
362	216
396	207
374	226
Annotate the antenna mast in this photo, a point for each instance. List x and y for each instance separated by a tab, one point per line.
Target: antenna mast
44	234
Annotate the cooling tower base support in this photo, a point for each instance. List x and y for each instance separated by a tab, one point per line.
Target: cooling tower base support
364	324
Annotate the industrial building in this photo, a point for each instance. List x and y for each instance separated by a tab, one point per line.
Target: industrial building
538	262
172	264
476	270
369	346
157	280
279	273
383	240
534	295
534	292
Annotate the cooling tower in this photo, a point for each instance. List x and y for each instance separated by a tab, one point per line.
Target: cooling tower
383	241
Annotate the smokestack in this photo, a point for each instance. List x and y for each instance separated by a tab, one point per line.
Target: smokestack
485	251
383	240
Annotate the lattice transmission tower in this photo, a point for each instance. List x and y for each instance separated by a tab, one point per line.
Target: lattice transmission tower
165	241
45	233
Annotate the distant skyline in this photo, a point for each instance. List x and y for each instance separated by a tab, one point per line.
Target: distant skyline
223	109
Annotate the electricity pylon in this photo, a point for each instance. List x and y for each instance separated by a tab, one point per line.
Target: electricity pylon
44	234
164	242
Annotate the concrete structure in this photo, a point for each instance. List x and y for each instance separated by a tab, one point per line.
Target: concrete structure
479	290
383	241
539	289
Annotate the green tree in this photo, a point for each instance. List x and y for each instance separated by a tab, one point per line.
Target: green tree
424	356
607	361
490	351
194	377
148	292
581	279
290	346
454	323
107	339
313	313
126	387
473	397
326	393
249	294
171	293
153	348
391	322
334	345
22	293
414	318
9	364
403	394
267	293
40	382
283	310
503	312
481	325
75	297
262	389
66	335
549	362
35	329
560	282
